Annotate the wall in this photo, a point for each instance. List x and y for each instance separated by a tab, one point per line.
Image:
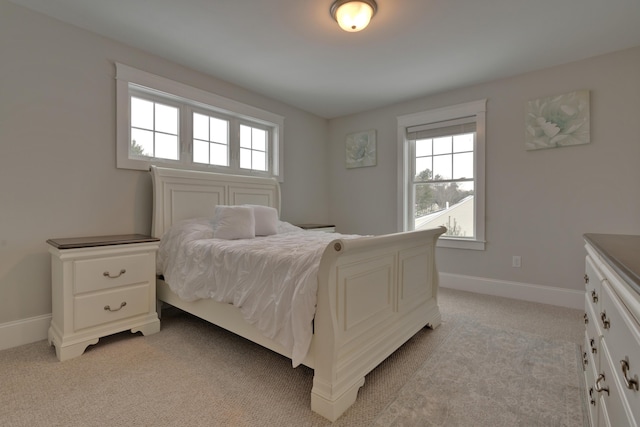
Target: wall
539	203
58	175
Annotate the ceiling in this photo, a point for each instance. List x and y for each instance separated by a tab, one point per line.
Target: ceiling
293	51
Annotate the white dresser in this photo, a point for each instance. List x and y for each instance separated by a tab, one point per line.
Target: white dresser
611	352
100	286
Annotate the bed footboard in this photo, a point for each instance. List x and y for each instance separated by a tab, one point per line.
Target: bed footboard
374	294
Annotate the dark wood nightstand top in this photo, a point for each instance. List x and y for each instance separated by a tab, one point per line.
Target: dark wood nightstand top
314	226
88	242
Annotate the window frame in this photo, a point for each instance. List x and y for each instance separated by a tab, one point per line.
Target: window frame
156	100
230	135
405	168
130	81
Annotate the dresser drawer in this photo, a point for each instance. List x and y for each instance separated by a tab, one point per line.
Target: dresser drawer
593	281
113	271
111	305
593	332
612	400
590	374
623	343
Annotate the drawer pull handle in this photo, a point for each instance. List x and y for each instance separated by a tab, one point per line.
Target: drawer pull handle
601	389
585	359
108	308
107	274
586	319
631	383
594	296
605	322
586	278
594	350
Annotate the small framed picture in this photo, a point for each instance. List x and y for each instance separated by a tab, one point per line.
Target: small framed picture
361	149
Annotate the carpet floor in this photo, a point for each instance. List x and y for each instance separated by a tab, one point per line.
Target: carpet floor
492	362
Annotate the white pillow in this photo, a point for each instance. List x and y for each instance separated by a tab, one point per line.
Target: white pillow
266	220
234	222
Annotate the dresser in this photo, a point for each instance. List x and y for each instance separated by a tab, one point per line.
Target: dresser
611	351
100	286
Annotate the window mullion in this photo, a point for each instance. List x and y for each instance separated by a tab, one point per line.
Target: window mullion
234	144
154	133
186	134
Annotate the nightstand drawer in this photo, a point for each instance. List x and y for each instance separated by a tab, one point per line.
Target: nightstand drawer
110	272
104	307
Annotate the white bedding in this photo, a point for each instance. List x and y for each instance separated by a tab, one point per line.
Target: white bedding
273	279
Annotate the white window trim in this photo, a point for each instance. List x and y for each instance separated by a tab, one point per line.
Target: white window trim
474	108
126	75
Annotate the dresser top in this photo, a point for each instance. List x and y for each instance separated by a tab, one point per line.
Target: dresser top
89	242
622	252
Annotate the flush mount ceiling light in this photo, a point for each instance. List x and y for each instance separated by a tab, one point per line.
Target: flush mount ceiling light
353	15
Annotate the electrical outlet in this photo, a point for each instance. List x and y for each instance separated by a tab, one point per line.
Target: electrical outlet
516	261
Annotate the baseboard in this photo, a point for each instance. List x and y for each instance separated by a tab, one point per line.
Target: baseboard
515	290
24	331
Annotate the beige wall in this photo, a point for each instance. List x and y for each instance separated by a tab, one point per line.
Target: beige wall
539	203
58	173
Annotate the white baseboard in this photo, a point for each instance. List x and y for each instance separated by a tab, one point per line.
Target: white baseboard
24	331
515	290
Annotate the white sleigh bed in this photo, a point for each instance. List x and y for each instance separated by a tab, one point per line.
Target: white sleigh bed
374	293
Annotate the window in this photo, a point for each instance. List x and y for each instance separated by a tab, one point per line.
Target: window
160	121
154	129
253	148
441	180
210	140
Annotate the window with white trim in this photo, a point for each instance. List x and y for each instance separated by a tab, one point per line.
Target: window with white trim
441	179
210	140
160	121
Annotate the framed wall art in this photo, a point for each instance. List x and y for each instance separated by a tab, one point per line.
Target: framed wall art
557	121
361	149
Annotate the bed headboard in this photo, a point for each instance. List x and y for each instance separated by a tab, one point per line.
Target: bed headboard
182	194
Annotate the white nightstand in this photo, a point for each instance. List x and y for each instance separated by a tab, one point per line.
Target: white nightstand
101	286
327	228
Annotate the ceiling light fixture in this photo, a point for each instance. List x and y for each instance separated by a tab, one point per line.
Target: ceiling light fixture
353	15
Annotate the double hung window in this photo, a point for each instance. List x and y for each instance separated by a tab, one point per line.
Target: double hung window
442	176
165	122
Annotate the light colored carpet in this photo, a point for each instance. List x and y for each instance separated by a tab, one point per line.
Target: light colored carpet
492	362
484	376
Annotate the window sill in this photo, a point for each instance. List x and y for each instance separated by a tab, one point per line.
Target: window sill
447	242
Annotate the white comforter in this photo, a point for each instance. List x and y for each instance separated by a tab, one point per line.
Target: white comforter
273	280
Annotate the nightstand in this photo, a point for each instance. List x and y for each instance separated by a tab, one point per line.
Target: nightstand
101	286
327	228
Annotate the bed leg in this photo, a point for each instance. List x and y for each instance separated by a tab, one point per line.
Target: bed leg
159	308
331	407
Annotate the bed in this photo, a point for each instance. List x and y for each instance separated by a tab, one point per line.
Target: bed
373	293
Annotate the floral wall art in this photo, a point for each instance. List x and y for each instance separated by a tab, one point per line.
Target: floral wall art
557	121
361	149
